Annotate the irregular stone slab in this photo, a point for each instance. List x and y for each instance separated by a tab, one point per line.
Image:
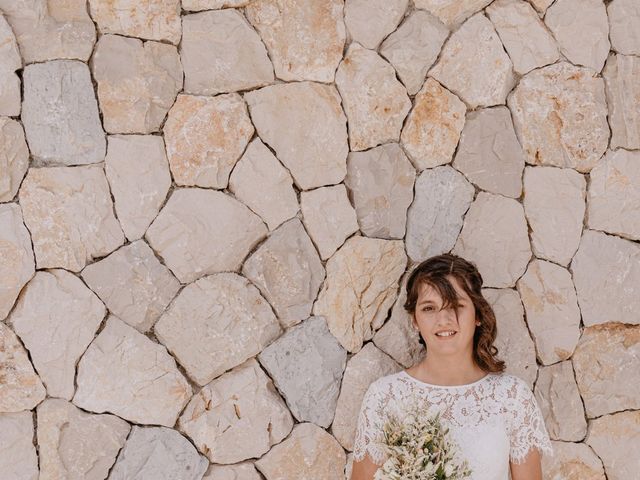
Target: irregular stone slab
567	124
380	182
21	388
199	232
14	158
489	153
582	31
18	457
621	75
137	82
452	12
553	316
474	65
60	114
154	20
624	26
138	173
328	217
572	461
305	38
307	363
159	453
361	286
125	373
77	445
309	452
285	116
607	374
288	271
56	318
527	41
237	416
433	128
554	203
10	61
216	323
133	284
606	273
413	48
205	137
240	471
541	5
369	21
196	5
434	220
70	216
261	182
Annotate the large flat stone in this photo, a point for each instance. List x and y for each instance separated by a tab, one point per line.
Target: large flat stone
624	26
18	457
622	82
612	437
452	12
239	471
369	21
10	61
572	461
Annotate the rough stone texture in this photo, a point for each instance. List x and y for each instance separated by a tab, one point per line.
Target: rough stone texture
369	21
125	373
328	217
361	286
159	453
56	317
197	5
433	128
60	114
21	388
624	26
10	61
553	316
288	271
375	102
14	158
18	457
237	416
474	65
622	83
222	53
572	461
70	216
434	220
413	48
566	126
138	173
306	365
527	41
305	38
380	183
240	471
452	12
216	323
133	284
261	182
77	445
554	204
199	232
582	31
205	137
137	82
607	365
489	153
305	125
606	273
152	20
541	5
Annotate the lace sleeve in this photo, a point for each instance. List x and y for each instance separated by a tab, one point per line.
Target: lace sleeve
369	427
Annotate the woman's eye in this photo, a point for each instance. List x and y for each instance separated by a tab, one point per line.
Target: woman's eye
427	308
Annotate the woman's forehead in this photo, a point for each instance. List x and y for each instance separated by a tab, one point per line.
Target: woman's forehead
427	291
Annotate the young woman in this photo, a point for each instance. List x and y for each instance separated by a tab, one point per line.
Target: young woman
493	416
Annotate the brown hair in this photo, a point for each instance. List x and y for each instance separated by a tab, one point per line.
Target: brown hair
433	272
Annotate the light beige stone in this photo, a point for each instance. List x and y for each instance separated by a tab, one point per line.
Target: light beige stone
433	128
624	26
452	12
369	21
304	124
18	457
205	137
541	5
125	373
10	61
305	38
622	82
567	124
137	82
572	461
14	158
240	471
197	5
222	53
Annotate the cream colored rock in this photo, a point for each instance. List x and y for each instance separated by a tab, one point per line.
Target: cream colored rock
222	53
200	231
197	5
305	38
361	286
369	21
237	416
572	461
18	457
125	373
567	124
452	12
205	137
624	26
10	61
239	471
433	128
137	82
622	82
474	65
541	5
14	158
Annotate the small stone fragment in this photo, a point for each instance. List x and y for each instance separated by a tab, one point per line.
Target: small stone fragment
624	26
14	158
622	81
10	61
197	5
18	457
452	12
369	21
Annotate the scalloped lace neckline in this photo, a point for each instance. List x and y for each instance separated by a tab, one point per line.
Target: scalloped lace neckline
466	385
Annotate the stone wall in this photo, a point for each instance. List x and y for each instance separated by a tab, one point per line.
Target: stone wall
208	210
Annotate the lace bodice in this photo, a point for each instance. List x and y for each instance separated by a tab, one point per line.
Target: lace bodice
493	420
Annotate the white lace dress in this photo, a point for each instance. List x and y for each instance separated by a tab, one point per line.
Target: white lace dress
493	420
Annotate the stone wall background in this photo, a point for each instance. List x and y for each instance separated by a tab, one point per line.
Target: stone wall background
209	208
